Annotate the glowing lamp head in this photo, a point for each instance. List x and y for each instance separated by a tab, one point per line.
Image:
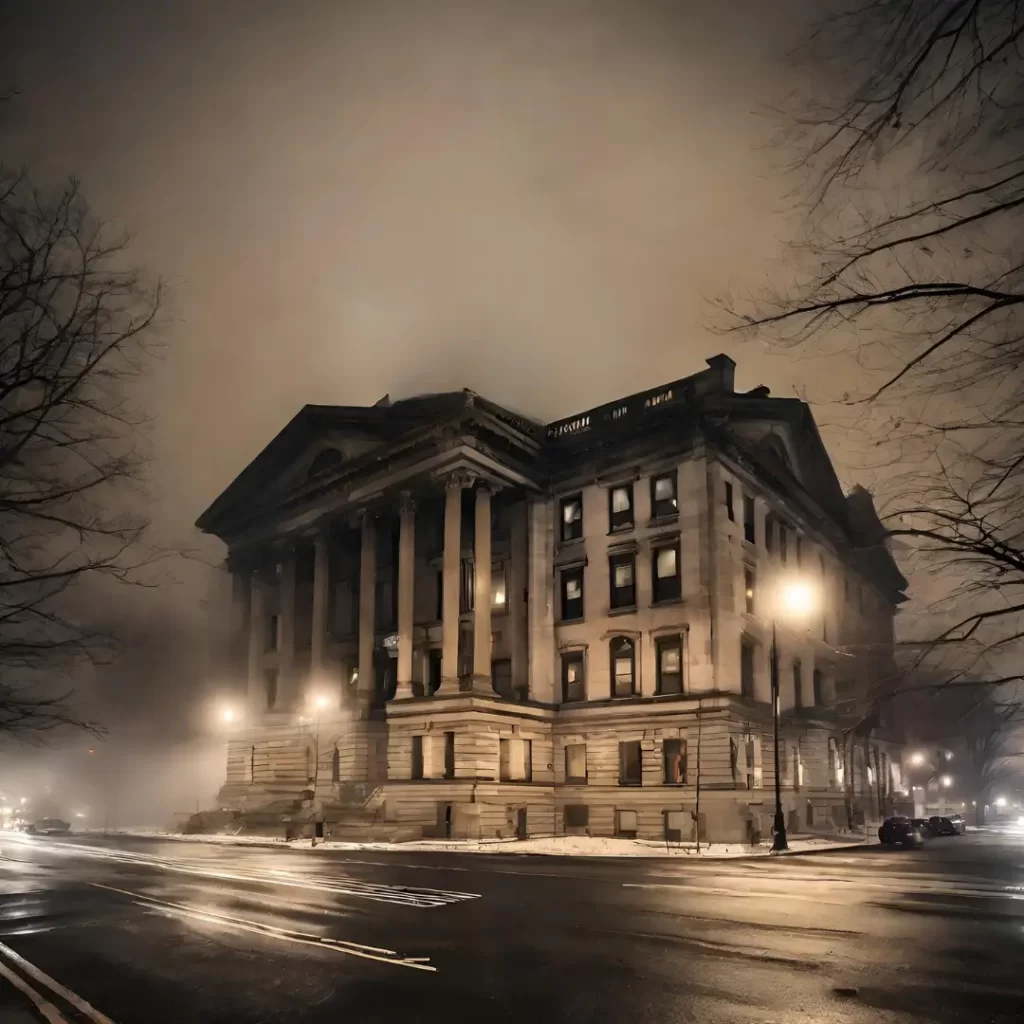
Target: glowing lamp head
797	600
917	759
1000	801
320	701
228	715
947	781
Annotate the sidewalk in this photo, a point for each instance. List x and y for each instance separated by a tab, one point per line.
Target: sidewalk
557	846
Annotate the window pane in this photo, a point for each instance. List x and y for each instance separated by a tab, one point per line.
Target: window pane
624	670
573	672
666	563
670	659
621	499
571	511
498	592
573	588
664	488
624	575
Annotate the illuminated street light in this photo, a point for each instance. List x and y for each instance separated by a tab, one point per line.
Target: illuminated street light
24	800
1000	801
917	758
947	781
320	701
795	599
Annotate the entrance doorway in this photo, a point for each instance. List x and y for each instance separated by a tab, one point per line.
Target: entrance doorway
522	832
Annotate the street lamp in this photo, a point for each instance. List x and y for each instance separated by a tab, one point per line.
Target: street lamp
917	759
319	702
796	600
947	781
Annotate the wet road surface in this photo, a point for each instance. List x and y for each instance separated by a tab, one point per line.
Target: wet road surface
161	931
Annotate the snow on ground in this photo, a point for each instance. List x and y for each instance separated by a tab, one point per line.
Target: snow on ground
566	846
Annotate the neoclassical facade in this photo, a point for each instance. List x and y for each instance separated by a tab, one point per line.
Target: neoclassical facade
452	620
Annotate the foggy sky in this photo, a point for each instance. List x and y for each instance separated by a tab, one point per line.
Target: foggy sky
531	199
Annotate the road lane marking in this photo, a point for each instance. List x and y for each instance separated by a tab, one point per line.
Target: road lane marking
358	949
379	892
55	986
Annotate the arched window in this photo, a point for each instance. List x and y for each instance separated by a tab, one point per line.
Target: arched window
327	459
336	765
623	665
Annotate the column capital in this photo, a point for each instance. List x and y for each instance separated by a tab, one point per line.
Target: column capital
459	480
406	502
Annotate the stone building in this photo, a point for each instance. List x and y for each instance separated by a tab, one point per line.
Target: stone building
454	620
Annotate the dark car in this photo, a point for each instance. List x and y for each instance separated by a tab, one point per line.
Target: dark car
49	827
942	826
901	831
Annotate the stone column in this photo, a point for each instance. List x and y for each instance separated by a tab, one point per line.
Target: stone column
406	594
541	605
515	588
286	686
321	590
257	644
367	609
482	591
450	588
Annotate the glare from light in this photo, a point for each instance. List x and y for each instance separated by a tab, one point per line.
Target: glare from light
917	758
320	701
228	714
1000	801
24	800
797	600
947	781
79	814
949	755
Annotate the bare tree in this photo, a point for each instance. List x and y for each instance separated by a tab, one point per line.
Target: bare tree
76	328
910	258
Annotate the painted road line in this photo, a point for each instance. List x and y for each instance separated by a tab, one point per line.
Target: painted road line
55	986
358	949
379	892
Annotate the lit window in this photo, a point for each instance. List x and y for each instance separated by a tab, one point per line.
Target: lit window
666	573
670	664
663	495
674	757
623	655
499	593
573	677
749	529
572	594
749	583
622	574
620	507
572	517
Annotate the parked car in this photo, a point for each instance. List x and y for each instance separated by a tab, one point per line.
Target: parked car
938	825
49	827
901	831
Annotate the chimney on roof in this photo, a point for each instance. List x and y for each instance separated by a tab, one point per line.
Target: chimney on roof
724	371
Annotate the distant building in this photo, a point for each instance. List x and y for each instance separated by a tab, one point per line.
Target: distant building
517	628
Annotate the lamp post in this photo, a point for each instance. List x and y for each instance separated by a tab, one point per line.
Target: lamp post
796	599
318	702
779	842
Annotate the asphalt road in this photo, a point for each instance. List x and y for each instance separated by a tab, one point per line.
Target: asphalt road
163	931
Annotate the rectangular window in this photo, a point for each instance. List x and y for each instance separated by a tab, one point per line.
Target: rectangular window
572	517
749	583
663	495
449	755
467	586
746	668
769	533
504	760
674	757
622	574
667	585
799	550
620	508
752	756
528	760
798	684
623	664
499	591
501	677
572	594
630	764
625	824
574	687
749	527
730	510
439	596
576	763
783	543
819	687
433	670
669	652
270	687
272	632
575	816
416	769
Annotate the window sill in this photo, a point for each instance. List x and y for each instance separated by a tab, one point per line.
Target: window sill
667	519
626	609
667	601
618	531
630	785
571	622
